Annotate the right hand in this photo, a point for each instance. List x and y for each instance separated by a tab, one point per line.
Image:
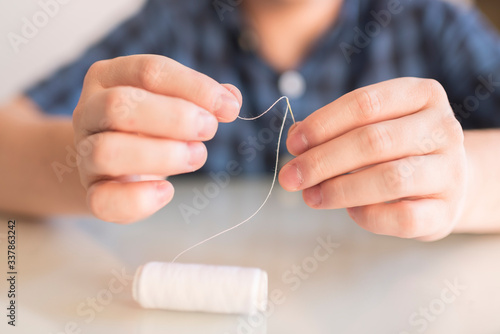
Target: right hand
139	119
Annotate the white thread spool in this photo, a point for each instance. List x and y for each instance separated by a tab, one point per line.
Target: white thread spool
200	288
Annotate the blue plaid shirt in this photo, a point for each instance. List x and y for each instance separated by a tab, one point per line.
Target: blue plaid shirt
423	38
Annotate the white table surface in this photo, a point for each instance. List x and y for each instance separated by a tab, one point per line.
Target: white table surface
369	284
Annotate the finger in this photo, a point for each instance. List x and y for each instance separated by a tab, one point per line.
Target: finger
436	236
383	101
410	177
404	219
162	75
135	110
372	144
153	177
128	202
235	91
116	154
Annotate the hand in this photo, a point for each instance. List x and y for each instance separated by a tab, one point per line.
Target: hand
392	153
139	119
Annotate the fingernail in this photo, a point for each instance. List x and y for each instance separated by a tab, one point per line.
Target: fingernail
163	191
197	154
297	141
227	107
314	196
292	127
207	125
291	177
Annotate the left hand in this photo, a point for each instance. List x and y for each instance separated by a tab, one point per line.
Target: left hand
392	153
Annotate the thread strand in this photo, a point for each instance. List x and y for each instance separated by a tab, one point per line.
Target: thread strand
289	108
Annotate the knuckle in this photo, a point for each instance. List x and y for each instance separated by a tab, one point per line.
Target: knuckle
104	154
186	115
318	135
94	203
367	104
95	70
77	117
203	90
376	139
455	132
316	164
434	90
117	106
397	179
337	193
83	148
371	222
97	67
409	222
114	97
150	72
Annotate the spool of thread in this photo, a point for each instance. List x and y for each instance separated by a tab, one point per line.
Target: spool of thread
200	288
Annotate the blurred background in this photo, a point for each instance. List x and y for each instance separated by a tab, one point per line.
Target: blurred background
71	29
75	25
492	9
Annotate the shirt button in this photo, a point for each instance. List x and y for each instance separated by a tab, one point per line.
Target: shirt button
292	84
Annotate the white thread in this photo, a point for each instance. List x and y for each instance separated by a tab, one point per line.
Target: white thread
270	108
205	288
200	288
274	177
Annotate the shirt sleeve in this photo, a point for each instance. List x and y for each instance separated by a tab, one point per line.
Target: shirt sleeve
146	32
465	48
